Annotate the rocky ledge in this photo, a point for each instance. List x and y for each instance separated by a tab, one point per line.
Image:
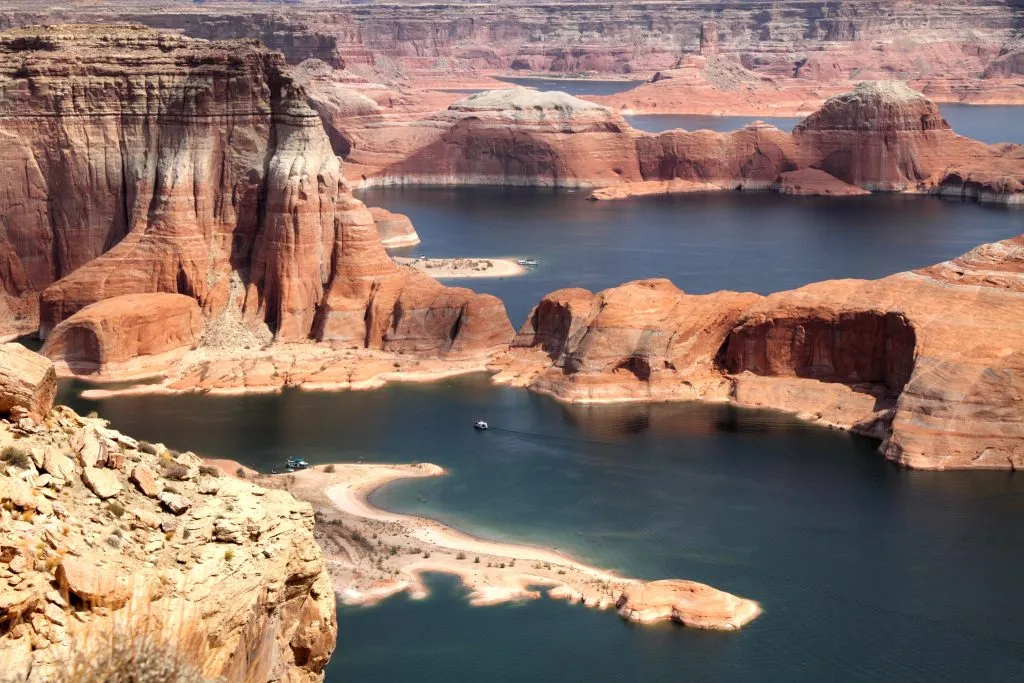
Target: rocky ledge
109	546
929	362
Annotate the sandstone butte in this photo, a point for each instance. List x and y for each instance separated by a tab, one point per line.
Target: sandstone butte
930	362
109	544
147	164
881	136
796	54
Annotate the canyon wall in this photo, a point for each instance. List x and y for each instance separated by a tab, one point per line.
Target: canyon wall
118	555
153	163
808	39
885	358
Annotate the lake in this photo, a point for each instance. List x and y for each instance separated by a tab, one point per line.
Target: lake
705	242
866	572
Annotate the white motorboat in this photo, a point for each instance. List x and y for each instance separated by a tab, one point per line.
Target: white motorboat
480	425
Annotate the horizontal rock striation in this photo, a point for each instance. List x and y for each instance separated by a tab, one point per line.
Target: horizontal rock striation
125	336
885	358
153	163
881	136
116	553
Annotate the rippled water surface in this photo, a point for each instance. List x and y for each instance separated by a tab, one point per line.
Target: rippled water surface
866	572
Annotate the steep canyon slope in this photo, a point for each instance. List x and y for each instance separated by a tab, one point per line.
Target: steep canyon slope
116	553
153	163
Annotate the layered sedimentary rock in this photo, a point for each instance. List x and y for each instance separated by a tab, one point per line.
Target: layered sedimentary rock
688	603
505	137
887	358
126	335
152	163
396	230
881	136
112	548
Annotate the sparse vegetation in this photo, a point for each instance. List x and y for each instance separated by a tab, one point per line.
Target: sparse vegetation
17	456
476	560
460	556
209	471
229	555
116	509
240	473
329	469
174	470
147	447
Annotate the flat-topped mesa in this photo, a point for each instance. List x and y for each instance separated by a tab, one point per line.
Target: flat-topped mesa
884	358
516	136
151	163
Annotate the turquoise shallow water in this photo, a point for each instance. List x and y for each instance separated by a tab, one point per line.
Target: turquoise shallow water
866	572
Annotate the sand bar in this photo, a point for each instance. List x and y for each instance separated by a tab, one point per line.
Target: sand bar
442	268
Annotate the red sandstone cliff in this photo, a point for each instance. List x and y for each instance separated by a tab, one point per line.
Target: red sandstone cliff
147	162
884	357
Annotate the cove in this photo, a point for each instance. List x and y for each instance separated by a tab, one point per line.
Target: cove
757	241
866	571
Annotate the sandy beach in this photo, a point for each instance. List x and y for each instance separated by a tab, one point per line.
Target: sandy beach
373	554
464	267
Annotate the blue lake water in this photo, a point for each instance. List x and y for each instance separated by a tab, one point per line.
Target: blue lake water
656	123
573	86
742	241
866	572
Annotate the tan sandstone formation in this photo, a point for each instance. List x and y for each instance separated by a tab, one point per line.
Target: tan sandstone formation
126	336
930	362
881	136
108	543
395	229
686	602
27	380
195	169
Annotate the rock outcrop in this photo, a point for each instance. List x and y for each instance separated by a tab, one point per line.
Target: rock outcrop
515	136
153	163
884	358
125	336
688	603
395	229
27	380
225	575
879	137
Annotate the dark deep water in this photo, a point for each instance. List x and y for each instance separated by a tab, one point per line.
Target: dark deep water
742	241
866	572
655	123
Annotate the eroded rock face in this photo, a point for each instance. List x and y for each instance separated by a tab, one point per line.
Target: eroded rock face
185	168
87	557
395	229
125	335
884	357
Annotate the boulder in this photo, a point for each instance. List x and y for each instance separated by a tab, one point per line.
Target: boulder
92	582
104	483
175	503
145	481
27	379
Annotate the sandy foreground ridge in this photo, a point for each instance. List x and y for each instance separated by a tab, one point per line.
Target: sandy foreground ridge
373	554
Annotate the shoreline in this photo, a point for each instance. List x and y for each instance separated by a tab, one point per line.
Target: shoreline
374	554
463	267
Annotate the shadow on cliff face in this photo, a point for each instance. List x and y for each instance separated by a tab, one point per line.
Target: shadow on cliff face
871	351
